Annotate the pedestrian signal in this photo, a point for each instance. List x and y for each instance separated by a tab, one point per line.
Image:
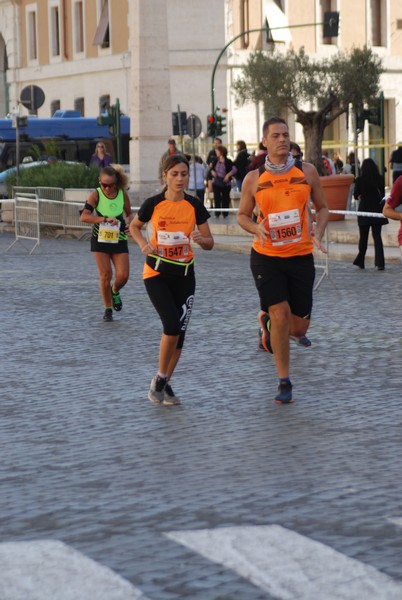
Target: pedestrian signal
220	125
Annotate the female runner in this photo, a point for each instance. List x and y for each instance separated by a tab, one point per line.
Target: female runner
170	219
109	234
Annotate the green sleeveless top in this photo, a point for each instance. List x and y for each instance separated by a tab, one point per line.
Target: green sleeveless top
110	207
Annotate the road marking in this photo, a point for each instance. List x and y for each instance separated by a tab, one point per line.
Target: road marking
49	569
288	565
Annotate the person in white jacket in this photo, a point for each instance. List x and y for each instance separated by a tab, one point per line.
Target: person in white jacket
198	173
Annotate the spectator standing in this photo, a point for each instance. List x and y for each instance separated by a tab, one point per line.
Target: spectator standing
212	156
369	191
211	160
258	158
101	158
222	173
328	164
350	167
395	162
391	205
172	149
296	151
241	163
198	172
338	162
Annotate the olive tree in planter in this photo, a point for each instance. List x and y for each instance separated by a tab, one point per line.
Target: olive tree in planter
316	91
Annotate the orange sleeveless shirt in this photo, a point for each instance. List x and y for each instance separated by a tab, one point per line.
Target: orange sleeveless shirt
284	199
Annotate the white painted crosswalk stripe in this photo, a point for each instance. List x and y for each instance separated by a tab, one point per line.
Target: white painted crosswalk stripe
290	566
50	570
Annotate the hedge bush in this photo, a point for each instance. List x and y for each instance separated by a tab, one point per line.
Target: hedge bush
58	174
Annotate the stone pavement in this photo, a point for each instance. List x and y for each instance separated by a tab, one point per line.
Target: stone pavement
88	461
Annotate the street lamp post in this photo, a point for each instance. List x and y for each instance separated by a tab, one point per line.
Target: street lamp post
267	30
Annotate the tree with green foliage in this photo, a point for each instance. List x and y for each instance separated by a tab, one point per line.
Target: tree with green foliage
316	91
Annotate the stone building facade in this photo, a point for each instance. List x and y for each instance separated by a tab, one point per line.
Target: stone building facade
158	56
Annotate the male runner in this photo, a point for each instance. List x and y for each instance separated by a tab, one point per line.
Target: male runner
282	251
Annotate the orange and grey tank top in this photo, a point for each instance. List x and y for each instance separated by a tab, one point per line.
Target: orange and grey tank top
283	201
169	227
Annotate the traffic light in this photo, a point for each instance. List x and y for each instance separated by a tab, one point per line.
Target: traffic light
220	125
374	115
331	24
360	119
111	119
106	120
211	126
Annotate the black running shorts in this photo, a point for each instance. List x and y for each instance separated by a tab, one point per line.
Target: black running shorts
120	248
284	279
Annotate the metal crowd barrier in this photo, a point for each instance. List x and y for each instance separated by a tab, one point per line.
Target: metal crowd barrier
26	219
321	261
37	208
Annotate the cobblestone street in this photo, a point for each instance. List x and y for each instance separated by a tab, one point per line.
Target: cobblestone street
88	460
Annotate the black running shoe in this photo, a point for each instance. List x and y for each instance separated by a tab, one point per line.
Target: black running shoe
260	346
265	324
108	316
117	303
301	340
284	395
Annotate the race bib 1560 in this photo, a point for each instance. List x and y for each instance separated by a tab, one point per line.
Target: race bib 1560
284	227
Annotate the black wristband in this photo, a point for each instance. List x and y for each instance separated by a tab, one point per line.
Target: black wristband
104	219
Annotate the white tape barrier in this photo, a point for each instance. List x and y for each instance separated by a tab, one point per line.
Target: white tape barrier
352	213
356	213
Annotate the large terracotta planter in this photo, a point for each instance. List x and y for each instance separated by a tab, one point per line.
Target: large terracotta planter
336	192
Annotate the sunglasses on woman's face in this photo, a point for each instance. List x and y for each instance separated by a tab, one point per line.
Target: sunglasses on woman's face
107	185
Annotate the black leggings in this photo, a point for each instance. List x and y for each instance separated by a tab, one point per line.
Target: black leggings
173	299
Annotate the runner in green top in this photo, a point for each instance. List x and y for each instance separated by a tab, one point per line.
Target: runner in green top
109	234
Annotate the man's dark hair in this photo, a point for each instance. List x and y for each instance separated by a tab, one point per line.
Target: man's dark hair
272	121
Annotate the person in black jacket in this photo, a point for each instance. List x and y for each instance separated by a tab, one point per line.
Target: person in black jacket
222	173
395	162
241	163
369	191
